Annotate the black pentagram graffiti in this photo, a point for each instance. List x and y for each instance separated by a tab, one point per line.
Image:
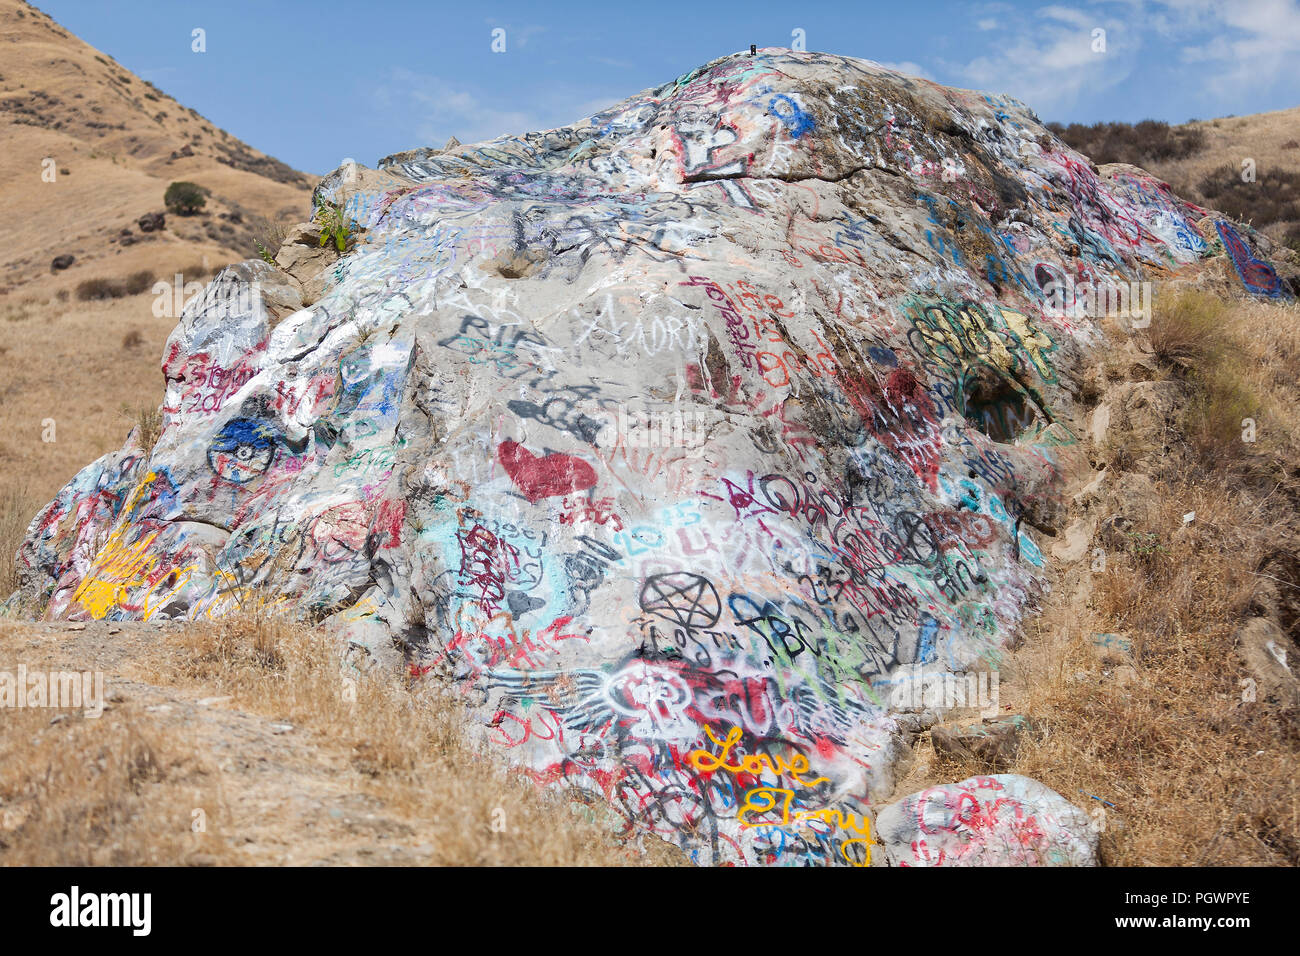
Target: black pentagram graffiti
687	600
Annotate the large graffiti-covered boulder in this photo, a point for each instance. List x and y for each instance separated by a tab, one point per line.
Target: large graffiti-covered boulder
678	440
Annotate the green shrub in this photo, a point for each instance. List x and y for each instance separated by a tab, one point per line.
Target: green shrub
264	253
334	225
185	199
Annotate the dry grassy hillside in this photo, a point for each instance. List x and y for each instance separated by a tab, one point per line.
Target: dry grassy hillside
1272	140
116	142
1157	678
249	726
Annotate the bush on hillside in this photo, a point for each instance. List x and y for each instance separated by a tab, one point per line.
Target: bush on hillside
96	289
185	199
1135	143
1273	197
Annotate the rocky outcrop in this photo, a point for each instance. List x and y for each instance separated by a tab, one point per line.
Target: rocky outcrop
307	260
152	222
676	440
1262	645
1002	820
992	742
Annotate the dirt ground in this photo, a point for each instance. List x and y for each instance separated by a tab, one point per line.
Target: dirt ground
179	771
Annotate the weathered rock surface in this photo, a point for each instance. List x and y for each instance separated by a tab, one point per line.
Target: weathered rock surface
672	438
307	260
1002	820
993	741
1261	644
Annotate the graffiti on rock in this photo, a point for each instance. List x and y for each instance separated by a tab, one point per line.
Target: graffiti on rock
546	476
855	307
1257	276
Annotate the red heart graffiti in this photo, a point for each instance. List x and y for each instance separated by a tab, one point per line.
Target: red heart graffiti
539	478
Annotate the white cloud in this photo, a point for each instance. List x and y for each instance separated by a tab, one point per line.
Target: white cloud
1048	61
1241	47
1071	17
431	109
1250	44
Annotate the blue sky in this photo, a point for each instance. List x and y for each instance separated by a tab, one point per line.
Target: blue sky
314	82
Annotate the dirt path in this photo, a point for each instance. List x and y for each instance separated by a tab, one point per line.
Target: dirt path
284	795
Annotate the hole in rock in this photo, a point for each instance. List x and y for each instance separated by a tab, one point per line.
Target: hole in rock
995	406
513	265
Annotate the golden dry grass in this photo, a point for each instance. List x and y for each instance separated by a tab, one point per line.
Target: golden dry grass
64	364
113	791
411	742
78	362
1199	776
1187	329
17	506
147	425
1195	338
287	755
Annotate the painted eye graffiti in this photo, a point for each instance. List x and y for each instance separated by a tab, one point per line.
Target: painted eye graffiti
242	450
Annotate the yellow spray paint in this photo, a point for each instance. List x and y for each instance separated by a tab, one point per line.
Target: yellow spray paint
754	763
118	568
766	799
